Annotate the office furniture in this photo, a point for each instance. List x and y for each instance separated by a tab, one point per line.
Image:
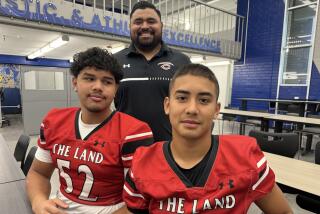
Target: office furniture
21	148
29	160
285	144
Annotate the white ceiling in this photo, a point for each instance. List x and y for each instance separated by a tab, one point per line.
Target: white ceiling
22	41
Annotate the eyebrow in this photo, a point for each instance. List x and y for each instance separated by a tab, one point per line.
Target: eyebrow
187	92
92	75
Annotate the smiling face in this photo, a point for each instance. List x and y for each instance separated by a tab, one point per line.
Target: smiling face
96	90
192	107
145	29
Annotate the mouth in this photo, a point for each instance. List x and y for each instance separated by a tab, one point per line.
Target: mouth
96	97
145	33
190	123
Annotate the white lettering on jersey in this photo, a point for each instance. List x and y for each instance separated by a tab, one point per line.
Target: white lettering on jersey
85	155
176	205
90	156
61	150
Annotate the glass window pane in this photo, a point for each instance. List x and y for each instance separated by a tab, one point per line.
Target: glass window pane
30	80
300	22
296	66
46	80
59	80
293	3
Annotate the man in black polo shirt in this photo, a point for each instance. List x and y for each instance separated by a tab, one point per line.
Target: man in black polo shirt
148	65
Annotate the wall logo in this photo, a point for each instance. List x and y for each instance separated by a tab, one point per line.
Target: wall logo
165	65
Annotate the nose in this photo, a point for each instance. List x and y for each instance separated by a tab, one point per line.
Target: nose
192	107
144	25
97	85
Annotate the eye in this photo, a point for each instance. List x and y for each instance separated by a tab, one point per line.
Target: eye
181	98
138	22
204	100
107	82
89	79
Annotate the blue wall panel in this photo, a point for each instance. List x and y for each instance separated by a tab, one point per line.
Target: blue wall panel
315	83
258	76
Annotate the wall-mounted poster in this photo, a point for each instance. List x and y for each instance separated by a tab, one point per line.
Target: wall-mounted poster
9	76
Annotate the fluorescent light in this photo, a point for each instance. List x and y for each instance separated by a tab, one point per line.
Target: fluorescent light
196	59
217	63
49	47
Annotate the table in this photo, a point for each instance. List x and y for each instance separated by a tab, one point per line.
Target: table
295	173
302	103
13	198
251	114
295	119
9	168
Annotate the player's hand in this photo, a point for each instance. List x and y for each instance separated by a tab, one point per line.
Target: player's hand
52	206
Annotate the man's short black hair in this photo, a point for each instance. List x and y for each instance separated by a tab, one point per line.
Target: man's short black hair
99	59
196	70
144	5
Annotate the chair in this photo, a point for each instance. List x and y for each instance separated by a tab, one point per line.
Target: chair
317	153
310	131
21	148
29	160
285	144
308	201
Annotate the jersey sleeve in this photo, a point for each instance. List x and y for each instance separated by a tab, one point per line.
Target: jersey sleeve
42	143
263	177
135	201
140	135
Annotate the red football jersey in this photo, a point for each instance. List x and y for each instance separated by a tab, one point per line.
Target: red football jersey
91	170
236	174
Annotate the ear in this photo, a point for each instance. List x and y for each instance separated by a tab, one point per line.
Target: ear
166	104
74	83
217	110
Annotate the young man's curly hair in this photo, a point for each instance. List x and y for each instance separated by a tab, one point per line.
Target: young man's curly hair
99	59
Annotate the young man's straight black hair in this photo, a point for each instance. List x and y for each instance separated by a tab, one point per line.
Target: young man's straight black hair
99	59
144	5
196	70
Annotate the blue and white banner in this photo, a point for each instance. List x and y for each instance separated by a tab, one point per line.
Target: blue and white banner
67	14
9	76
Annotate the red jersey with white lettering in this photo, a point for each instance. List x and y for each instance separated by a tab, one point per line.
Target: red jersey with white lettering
91	170
236	174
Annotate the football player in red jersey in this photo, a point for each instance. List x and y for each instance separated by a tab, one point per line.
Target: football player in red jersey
197	172
90	146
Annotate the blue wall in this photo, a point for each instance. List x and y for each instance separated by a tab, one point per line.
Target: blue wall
258	76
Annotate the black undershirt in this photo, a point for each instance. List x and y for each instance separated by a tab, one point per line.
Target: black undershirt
195	173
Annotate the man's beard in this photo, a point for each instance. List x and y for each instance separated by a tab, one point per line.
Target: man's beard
147	46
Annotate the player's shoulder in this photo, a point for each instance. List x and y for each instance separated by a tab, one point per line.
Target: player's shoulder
146	154
128	119
236	141
61	113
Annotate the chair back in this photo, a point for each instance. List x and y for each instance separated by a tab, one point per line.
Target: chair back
21	148
29	160
317	153
285	144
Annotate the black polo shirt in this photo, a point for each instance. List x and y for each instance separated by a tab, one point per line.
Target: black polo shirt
145	85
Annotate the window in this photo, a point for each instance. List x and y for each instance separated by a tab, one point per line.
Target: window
297	47
44	80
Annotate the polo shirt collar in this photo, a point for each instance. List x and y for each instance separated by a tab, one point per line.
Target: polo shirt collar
163	50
